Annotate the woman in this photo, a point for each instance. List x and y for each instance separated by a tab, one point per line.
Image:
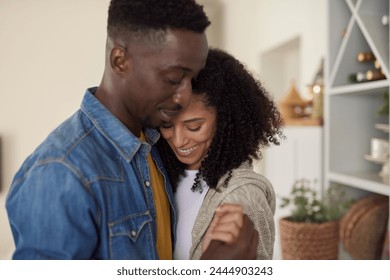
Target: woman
209	148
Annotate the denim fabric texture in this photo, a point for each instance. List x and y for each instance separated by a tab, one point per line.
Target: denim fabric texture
85	192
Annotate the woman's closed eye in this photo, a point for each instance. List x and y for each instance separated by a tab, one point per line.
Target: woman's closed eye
194	129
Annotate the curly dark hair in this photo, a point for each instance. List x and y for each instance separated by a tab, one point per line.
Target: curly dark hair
146	18
247	119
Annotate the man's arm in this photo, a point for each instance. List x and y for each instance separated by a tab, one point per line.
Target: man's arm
51	215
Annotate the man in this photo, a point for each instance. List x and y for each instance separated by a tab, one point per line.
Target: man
96	187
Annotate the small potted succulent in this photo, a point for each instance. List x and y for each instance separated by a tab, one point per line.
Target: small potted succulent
311	231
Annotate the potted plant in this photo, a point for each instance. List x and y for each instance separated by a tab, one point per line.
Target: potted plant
311	231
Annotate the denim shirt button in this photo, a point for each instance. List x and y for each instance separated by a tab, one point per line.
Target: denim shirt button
147	183
133	233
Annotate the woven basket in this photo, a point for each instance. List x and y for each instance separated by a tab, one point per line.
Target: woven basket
363	227
306	241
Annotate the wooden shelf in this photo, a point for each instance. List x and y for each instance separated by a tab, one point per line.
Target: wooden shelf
303	122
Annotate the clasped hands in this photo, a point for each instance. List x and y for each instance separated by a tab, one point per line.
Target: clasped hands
231	235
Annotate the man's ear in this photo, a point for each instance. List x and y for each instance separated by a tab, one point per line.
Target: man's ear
119	60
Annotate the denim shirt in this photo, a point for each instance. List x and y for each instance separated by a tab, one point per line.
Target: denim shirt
85	192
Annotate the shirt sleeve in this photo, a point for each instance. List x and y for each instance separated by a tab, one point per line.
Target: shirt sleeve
256	206
52	214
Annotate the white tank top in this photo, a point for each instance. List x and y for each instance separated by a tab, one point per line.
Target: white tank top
187	205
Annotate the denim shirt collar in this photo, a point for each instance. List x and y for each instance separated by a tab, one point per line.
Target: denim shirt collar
112	128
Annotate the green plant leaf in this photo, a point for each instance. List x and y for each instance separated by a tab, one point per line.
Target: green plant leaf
306	206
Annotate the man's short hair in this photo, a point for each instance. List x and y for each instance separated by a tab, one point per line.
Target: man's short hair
149	19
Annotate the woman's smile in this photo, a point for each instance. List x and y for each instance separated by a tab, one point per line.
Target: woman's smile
186	151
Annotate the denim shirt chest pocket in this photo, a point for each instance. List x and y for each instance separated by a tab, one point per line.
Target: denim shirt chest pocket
131	235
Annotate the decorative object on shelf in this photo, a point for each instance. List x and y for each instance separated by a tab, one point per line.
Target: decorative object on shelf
357	77
311	232
370	75
292	107
318	103
365	57
374	75
379	148
385	20
363	227
379	153
377	64
384	173
316	90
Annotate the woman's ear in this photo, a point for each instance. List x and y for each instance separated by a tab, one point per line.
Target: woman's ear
119	60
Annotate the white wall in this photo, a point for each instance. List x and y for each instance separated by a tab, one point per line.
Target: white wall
235	25
280	21
50	51
241	30
250	28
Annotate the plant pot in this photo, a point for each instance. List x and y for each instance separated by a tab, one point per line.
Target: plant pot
309	241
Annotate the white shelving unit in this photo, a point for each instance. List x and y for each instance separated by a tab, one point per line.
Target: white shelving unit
351	108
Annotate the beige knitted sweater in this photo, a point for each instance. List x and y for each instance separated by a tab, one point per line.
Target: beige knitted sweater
249	189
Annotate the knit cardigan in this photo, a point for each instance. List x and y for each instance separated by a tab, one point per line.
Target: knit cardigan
252	191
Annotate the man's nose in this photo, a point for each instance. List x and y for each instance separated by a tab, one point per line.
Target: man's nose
183	94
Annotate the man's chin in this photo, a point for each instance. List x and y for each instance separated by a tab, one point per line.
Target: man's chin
148	123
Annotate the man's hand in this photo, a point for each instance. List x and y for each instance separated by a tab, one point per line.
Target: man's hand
225	226
242	248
